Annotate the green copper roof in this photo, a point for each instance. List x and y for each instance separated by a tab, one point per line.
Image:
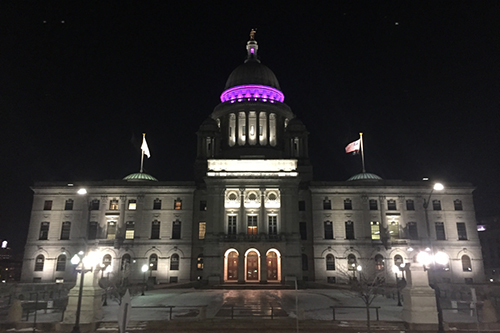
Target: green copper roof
140	177
365	176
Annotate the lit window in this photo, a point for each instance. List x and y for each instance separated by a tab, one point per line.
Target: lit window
199	263
379	263
106	260
394	229
202	228
68	205
113	204
47	205
177	204
132	205
111	230
252	224
129	230
375	228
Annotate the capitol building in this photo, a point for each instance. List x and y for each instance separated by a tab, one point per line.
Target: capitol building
253	212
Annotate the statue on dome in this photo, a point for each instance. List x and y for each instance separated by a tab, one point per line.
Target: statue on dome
252	34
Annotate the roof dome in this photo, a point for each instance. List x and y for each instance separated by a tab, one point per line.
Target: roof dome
252	72
365	176
140	177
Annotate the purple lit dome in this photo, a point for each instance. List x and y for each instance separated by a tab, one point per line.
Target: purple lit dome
252	72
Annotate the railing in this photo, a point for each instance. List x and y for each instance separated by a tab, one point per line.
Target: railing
250	311
251	238
355	307
201	309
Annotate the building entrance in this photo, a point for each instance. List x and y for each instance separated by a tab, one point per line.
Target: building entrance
272	266
232	266
252	266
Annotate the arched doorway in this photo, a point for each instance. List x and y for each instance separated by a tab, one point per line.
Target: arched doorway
272	266
252	266
232	266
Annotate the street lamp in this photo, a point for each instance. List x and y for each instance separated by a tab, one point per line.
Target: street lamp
144	269
86	264
396	270
107	270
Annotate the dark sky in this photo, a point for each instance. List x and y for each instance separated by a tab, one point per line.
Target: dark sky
81	80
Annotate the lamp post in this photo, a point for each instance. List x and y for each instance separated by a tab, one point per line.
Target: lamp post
144	269
396	269
107	270
83	261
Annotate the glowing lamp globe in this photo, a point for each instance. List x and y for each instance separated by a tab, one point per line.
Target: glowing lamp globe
424	258
441	258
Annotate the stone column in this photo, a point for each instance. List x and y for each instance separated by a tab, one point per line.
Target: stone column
263	268
419	307
241	267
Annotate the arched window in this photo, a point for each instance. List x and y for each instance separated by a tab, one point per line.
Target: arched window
351	262
39	261
330	262
305	263
199	262
61	263
379	263
174	262
398	261
466	264
106	260
125	262
153	262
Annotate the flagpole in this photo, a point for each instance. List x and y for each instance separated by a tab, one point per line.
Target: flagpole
142	151
362	152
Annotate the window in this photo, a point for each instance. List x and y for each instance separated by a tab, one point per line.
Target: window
174	262
47	205
330	262
373	204
176	229
302	205
330	279
462	231
61	263
65	229
303	230
203	205
458	204
177	204
436	204
328	225
155	229
391	204
94	204
231	225
273	228
327	204
199	263
157	204
126	260
410	205
375	228
132	204
68	205
40	259
111	230
129	230
113	204
347	204
352	262
44	231
305	263
93	230
412	230
153	262
202	228
394	229
440	235
379	263
106	260
398	261
466	264
252	224
349	230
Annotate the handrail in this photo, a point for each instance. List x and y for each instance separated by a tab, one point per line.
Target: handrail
355	307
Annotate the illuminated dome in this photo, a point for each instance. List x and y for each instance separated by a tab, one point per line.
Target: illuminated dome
252	81
365	176
140	177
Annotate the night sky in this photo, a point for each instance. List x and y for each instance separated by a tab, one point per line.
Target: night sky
81	81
